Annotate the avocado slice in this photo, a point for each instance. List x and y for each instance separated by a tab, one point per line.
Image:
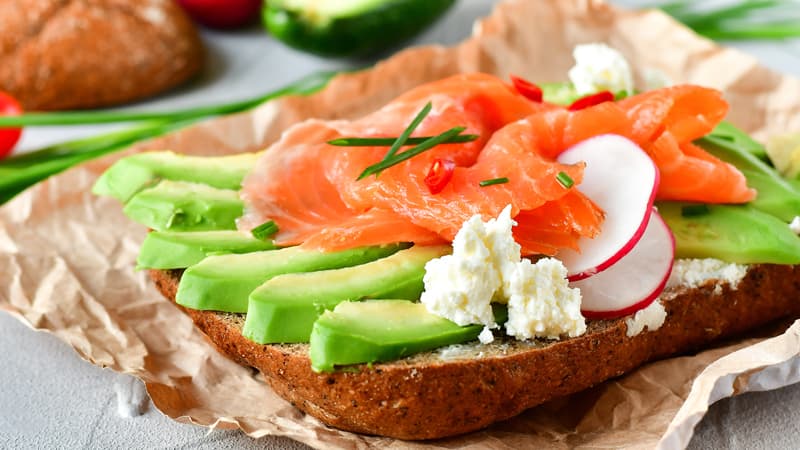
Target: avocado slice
726	134
380	330
738	234
184	206
179	250
284	309
132	174
224	282
349	28
776	196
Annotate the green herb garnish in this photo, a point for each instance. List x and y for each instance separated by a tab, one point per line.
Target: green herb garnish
19	172
695	210
748	19
493	181
407	132
565	180
265	230
383	142
410	153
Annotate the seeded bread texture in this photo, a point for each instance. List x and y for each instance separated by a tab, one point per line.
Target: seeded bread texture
463	388
69	54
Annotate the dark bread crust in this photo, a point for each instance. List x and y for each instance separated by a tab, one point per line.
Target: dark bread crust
426	397
68	54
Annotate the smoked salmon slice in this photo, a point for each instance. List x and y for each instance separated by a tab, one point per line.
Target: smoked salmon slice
664	123
312	191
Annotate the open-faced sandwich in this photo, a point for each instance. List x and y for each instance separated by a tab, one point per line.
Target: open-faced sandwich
475	247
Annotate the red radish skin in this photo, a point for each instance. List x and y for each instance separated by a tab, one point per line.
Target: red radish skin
626	200
613	285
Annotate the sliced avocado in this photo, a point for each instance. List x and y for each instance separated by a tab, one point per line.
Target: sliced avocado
559	93
776	196
184	206
380	330
564	93
738	234
302	297
727	134
224	282
179	250
349	28
134	173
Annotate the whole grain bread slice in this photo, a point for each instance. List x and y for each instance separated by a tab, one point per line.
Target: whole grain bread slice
463	388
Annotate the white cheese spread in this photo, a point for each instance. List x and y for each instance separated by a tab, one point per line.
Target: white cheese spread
692	273
599	67
486	266
651	318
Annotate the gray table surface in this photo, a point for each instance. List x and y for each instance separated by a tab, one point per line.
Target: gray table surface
50	398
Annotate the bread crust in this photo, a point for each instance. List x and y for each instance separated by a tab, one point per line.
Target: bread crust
425	397
69	54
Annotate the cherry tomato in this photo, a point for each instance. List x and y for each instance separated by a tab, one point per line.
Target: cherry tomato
9	106
224	14
439	175
527	89
591	100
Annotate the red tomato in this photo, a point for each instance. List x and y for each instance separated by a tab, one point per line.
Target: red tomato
591	100
527	89
439	175
222	13
9	106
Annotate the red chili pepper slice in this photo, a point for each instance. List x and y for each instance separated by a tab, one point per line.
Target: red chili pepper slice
439	174
9	106
591	100
527	89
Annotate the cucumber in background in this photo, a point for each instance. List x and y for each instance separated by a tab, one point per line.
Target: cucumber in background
354	28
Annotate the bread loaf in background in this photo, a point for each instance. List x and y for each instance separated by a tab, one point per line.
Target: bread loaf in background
71	54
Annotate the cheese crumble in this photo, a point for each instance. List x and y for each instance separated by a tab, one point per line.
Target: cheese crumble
599	67
651	318
486	266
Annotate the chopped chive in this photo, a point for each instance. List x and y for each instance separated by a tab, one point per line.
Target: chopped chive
407	132
493	181
565	180
695	210
265	230
382	142
410	153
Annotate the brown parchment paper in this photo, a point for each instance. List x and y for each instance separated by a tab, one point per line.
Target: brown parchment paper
67	258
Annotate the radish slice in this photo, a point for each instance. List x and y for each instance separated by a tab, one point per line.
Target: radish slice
636	280
622	180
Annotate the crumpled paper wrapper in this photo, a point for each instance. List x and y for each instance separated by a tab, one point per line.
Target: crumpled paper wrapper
67	257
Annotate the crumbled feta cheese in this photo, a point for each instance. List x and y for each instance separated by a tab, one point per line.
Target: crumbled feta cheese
505	250
485	266
460	287
651	318
656	79
794	225
541	303
486	336
599	67
692	273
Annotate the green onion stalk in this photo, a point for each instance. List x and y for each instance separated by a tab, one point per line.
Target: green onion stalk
19	172
748	19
